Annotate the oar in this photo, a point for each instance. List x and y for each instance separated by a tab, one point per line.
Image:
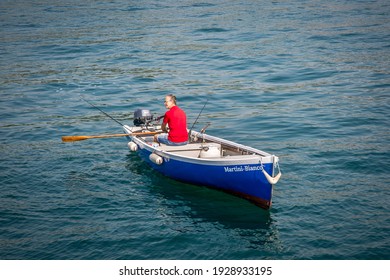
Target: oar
85	137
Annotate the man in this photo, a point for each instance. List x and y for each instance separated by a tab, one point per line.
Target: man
175	119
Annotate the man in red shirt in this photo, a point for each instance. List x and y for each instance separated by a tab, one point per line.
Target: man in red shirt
175	119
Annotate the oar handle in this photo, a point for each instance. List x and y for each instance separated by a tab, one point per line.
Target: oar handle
74	138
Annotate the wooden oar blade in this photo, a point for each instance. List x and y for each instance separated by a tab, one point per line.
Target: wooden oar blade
74	138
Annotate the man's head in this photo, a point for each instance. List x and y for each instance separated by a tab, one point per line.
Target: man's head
170	101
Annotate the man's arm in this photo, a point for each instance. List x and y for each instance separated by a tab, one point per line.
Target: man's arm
164	127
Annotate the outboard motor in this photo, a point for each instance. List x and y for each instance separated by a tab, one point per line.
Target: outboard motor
142	117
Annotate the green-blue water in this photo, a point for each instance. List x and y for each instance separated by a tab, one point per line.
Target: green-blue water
305	80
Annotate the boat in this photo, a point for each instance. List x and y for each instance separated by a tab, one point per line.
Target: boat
207	161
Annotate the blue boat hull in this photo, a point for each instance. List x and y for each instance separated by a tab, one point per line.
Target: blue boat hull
246	181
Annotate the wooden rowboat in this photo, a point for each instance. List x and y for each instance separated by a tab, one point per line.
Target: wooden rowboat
212	162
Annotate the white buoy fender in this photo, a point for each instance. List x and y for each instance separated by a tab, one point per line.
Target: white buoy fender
270	179
132	146
156	159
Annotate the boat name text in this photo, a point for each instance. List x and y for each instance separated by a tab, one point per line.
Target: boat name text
241	168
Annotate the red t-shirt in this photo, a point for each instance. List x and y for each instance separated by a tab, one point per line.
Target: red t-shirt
177	122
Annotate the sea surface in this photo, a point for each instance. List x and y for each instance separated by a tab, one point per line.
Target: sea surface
308	81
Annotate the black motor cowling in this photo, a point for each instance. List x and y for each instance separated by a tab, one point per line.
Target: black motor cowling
142	117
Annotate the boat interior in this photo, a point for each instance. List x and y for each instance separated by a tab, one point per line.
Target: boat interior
202	148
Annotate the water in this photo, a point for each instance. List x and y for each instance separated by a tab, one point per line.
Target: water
305	80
